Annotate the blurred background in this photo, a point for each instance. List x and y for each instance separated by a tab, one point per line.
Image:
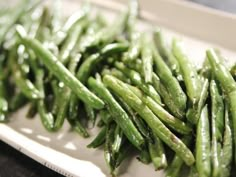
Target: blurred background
225	5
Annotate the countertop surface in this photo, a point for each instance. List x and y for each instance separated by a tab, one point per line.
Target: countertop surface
15	164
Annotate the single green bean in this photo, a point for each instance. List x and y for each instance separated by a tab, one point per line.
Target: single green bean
108	148
227	146
147	59
153	122
165	52
99	139
47	118
217	121
189	73
132	16
203	145
118	140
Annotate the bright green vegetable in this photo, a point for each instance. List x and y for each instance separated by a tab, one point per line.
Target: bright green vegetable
227	83
227	149
169	81
189	73
57	68
137	80
217	121
203	145
117	112
153	122
147	59
162	114
157	154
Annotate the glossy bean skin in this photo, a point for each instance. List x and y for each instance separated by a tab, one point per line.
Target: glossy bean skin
203	147
57	68
153	122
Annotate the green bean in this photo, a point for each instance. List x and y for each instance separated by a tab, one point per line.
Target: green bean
70	42
126	149
3	109
203	151
99	139
87	66
134	49
169	81
233	71
144	156
43	23
107	34
15	14
167	98
80	129
174	168
227	147
227	83
194	112
221	72
64	96
143	129
17	101
47	118
114	48
56	23
116	73
108	148
189	73
106	116
154	123
25	85
137	80
132	16
217	114
157	154
118	140
165	52
100	123
32	111
90	114
57	68
71	22
117	112
162	114
147	59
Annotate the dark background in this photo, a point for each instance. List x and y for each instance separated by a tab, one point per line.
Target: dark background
15	164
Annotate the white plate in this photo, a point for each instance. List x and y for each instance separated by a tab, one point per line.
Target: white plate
65	151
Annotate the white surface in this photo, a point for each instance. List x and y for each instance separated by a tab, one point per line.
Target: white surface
65	151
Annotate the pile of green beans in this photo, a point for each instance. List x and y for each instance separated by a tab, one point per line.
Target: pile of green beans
145	95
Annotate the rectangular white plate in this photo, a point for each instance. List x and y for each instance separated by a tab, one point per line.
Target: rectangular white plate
65	151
